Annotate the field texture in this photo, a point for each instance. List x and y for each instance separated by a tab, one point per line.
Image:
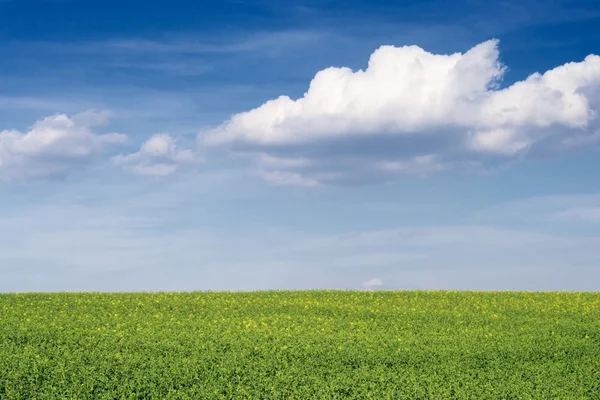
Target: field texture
300	345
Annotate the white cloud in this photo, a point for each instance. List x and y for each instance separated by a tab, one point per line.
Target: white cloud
158	156
444	107
53	146
372	283
403	90
406	90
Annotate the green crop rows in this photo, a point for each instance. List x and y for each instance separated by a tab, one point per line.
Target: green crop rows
300	345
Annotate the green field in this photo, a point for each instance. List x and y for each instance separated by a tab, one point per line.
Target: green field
300	345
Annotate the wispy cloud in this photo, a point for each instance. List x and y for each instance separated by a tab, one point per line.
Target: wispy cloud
557	209
269	42
102	248
584	214
172	68
285	178
35	102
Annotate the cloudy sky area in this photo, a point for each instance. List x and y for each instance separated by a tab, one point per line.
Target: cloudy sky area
240	145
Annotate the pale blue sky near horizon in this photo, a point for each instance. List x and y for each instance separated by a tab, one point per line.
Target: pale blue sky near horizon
130	158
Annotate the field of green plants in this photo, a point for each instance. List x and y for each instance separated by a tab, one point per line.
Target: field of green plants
300	345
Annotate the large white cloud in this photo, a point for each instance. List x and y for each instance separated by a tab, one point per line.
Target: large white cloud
431	110
53	146
160	155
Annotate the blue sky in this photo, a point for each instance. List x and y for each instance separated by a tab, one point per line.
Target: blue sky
146	145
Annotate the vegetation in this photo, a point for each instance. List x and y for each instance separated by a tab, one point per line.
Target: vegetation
300	345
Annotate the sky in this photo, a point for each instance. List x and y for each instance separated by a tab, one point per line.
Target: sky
250	145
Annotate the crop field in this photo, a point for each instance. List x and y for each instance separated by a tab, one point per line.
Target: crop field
300	345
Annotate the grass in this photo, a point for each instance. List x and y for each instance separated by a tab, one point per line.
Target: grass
300	345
